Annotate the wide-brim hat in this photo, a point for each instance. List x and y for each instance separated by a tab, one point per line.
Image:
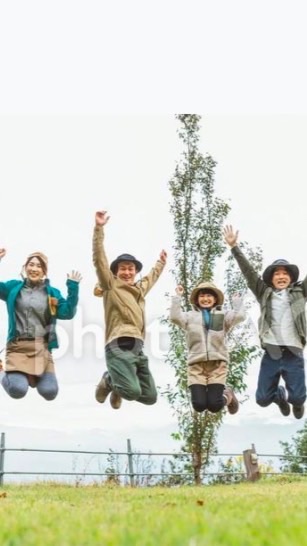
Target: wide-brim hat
211	288
292	269
125	258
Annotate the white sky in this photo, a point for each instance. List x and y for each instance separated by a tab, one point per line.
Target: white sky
87	104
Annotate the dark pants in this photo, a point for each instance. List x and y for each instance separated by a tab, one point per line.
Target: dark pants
208	397
288	365
129	372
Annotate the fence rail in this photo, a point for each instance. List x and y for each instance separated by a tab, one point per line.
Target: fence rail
249	457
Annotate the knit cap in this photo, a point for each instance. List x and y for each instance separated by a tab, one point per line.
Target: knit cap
41	257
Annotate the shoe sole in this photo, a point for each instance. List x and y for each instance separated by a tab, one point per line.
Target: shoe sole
300	414
115	401
234	410
282	403
233	406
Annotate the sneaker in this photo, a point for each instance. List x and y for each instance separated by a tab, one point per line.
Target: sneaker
103	388
231	400
281	401
115	400
298	411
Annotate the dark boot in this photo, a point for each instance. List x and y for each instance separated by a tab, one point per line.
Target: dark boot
298	411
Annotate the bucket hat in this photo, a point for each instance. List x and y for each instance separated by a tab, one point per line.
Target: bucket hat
125	258
211	288
292	269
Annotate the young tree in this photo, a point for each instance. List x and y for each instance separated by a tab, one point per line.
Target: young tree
198	218
295	454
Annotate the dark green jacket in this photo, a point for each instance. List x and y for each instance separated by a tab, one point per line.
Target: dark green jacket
297	296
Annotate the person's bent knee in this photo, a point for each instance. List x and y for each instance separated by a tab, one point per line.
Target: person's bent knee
49	394
16	391
199	407
47	386
149	400
129	394
215	407
297	401
17	388
263	402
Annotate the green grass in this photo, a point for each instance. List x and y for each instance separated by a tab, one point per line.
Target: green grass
268	513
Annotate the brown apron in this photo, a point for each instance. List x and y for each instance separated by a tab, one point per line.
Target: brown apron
28	356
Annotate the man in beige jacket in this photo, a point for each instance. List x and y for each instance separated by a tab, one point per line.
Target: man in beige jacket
128	375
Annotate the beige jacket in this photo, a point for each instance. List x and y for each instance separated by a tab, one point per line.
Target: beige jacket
206	343
124	305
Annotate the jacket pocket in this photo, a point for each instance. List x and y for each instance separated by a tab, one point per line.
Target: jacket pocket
217	322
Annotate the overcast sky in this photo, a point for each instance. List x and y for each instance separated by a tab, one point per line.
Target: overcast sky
87	106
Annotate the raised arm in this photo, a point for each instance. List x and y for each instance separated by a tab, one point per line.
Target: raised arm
100	260
304	286
3	285
177	316
65	309
151	278
254	281
235	315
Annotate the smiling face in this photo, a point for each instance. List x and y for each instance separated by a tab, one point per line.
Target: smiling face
281	278
34	270
126	272
206	300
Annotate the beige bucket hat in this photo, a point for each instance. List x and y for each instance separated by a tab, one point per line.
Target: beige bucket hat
211	288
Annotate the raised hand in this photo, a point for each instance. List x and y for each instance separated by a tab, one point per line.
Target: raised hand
101	218
2	253
163	256
74	276
231	236
179	290
237	296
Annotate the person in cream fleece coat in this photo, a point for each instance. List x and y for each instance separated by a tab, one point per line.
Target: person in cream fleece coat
206	327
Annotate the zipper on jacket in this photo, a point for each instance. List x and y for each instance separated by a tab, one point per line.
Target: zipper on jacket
206	331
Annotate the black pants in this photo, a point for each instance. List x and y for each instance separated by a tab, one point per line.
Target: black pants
208	397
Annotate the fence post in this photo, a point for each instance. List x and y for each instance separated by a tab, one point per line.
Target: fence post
130	462
250	459
2	450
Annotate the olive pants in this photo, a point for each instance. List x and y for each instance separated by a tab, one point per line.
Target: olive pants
130	376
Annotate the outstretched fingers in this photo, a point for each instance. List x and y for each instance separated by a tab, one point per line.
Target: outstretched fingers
74	276
230	235
2	252
163	256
